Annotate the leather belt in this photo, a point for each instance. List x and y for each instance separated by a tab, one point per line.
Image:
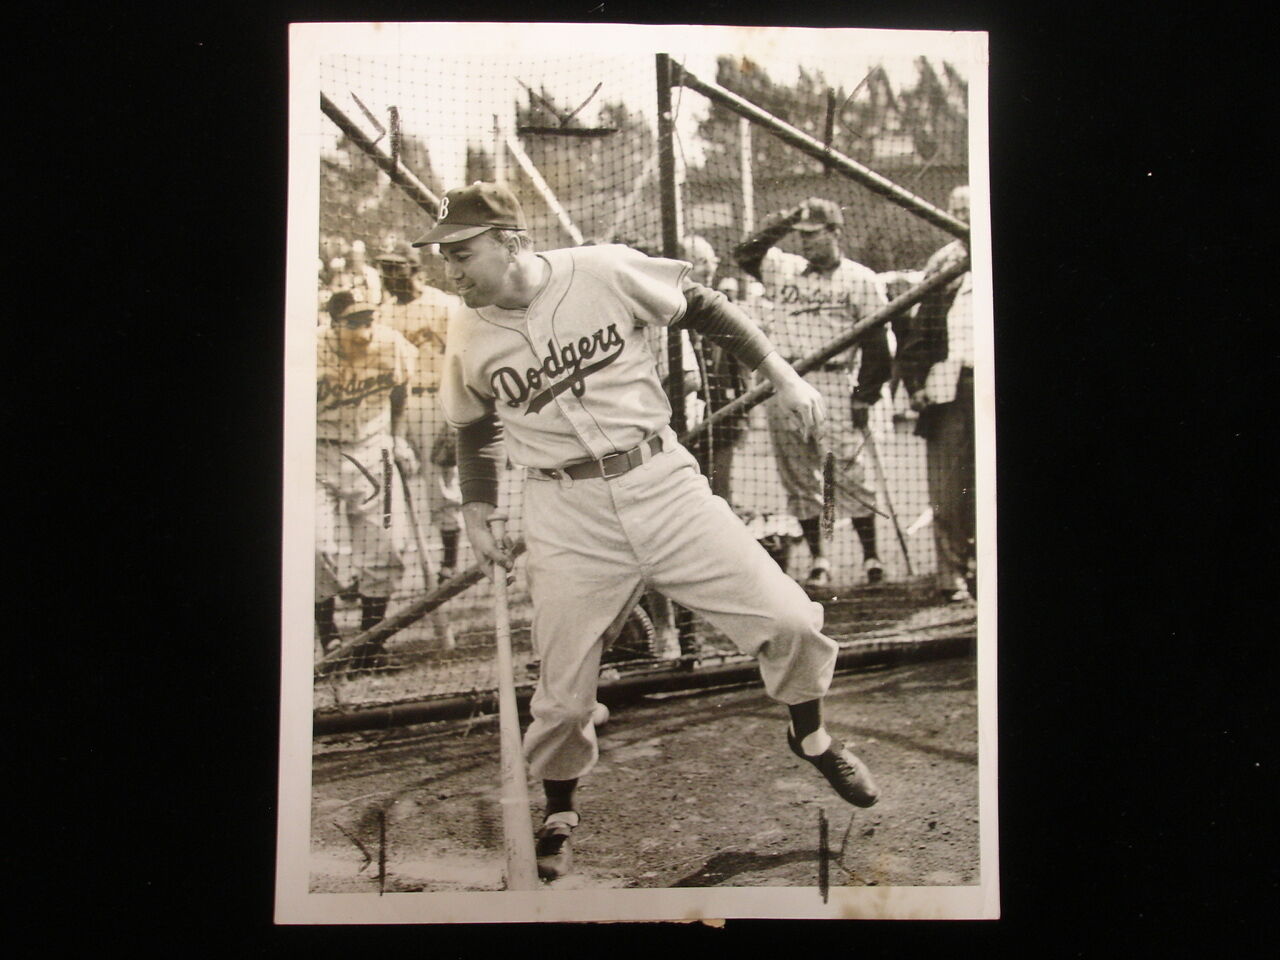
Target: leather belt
614	465
419	391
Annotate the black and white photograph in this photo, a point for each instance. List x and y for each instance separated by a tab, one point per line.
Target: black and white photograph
639	476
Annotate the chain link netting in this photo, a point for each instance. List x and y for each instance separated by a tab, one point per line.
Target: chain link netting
577	142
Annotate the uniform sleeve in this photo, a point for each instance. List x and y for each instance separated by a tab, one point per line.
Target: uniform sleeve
725	324
479	454
876	365
404	358
650	286
772	268
925	340
460	399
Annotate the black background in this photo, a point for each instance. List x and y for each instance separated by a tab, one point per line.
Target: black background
1127	158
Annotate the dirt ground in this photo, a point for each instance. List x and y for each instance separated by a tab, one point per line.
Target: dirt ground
692	790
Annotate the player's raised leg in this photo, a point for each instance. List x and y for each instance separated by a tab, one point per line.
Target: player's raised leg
705	558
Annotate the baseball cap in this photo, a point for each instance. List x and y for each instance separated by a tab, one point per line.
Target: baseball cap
399	254
819	214
469	211
357	308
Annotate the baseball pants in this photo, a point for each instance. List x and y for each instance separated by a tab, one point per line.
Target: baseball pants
800	460
366	498
591	542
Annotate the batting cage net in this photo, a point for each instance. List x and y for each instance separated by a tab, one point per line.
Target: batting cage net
824	204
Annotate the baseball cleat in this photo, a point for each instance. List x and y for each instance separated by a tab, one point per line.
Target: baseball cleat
873	569
555	856
819	578
847	775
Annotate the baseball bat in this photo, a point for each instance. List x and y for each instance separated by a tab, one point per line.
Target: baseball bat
439	621
522	873
884	486
828	524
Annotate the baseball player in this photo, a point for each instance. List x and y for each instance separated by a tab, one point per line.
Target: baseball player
362	369
816	298
550	360
420	313
936	360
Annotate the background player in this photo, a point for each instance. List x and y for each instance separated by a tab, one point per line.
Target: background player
816	298
420	313
936	361
551	360
362	368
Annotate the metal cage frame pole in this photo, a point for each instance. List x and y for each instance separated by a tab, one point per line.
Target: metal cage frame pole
670	238
821	152
400	175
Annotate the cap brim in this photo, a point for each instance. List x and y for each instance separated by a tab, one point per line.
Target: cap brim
449	234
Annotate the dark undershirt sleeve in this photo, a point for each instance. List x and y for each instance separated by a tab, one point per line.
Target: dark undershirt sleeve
712	315
479	454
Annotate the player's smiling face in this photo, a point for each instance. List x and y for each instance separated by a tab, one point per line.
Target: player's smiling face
478	267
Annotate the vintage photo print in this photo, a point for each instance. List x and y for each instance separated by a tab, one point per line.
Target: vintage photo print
639	476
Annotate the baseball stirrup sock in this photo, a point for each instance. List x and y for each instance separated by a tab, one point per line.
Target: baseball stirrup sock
805	718
812	535
373	610
559	795
449	541
865	528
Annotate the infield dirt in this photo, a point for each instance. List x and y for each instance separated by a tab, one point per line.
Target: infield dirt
692	790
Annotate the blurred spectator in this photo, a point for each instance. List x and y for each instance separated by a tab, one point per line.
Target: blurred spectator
421	314
936	362
362	369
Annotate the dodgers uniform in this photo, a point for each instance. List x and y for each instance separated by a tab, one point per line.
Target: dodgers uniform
572	378
354	459
808	309
424	323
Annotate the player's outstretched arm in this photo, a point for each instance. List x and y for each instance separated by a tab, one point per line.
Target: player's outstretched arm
750	252
798	398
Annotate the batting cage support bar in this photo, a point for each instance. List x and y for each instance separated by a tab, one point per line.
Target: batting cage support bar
670	231
400	175
858	656
829	157
839	345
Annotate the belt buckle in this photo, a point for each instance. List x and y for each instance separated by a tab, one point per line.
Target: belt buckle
623	458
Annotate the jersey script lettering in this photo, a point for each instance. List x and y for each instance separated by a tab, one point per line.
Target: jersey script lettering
560	370
332	393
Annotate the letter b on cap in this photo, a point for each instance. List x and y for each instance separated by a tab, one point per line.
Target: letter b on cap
444	208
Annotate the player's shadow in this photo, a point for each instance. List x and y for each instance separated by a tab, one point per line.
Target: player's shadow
730	863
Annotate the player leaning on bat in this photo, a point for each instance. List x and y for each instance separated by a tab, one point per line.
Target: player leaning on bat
362	369
551	360
816	298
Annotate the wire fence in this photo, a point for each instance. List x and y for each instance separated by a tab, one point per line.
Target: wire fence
402	615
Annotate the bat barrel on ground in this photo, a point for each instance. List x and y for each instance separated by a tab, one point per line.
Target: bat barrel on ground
522	873
884	487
